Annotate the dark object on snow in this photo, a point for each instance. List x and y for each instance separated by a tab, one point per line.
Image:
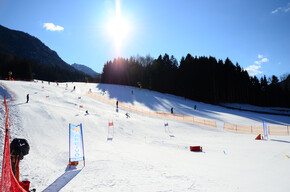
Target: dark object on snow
25	184
117	103
27	98
194	107
171	110
19	147
127	115
195	148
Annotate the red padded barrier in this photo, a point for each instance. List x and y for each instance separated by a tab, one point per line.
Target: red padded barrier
8	181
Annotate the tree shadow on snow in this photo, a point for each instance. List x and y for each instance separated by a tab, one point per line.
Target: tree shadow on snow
64	179
3	92
124	94
280	140
156	101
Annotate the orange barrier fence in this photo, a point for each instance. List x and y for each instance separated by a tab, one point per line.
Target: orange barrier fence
258	129
8	180
278	130
184	118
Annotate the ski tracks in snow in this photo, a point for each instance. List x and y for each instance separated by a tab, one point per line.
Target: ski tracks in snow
120	175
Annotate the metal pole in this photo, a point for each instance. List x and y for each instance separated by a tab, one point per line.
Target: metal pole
83	144
69	146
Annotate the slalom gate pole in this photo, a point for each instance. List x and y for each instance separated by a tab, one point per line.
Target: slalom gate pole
83	144
69	146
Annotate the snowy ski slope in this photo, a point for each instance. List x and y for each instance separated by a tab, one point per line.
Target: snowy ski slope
143	155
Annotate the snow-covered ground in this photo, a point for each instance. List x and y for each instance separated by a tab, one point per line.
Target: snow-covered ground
142	156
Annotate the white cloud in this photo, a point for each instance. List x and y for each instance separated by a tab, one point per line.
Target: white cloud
284	9
264	60
255	69
52	27
276	10
258	62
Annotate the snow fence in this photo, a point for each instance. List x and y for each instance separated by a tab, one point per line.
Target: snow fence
8	181
184	118
258	129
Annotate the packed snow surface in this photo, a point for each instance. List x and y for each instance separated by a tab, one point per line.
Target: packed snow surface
144	155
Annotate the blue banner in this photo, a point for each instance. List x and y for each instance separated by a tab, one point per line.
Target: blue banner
265	130
76	145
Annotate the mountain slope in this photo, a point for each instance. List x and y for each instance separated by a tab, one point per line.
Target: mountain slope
286	83
28	47
85	69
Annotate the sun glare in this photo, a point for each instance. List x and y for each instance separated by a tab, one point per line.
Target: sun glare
118	28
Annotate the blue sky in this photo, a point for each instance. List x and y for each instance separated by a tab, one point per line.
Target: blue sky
256	34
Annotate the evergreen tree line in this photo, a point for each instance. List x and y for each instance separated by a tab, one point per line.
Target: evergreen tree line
204	79
28	70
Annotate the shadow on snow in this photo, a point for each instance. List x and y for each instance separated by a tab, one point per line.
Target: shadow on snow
64	179
155	100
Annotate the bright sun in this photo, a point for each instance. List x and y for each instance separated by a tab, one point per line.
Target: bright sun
118	28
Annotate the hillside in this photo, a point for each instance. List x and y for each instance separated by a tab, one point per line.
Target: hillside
286	83
28	47
85	69
142	155
28	58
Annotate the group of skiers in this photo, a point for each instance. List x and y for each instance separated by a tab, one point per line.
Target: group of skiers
117	102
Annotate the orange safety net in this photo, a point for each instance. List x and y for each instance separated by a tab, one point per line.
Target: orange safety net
8	181
184	118
258	129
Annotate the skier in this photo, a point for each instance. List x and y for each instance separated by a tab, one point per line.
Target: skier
171	110
117	103
27	98
127	115
194	107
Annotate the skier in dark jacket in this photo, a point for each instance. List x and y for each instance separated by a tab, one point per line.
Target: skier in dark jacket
27	98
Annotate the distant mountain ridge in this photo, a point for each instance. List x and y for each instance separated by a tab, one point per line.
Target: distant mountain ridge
28	58
27	47
85	69
286	83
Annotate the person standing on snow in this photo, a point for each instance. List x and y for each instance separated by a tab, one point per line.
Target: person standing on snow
27	98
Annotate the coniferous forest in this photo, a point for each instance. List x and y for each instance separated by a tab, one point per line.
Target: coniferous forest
204	79
23	69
